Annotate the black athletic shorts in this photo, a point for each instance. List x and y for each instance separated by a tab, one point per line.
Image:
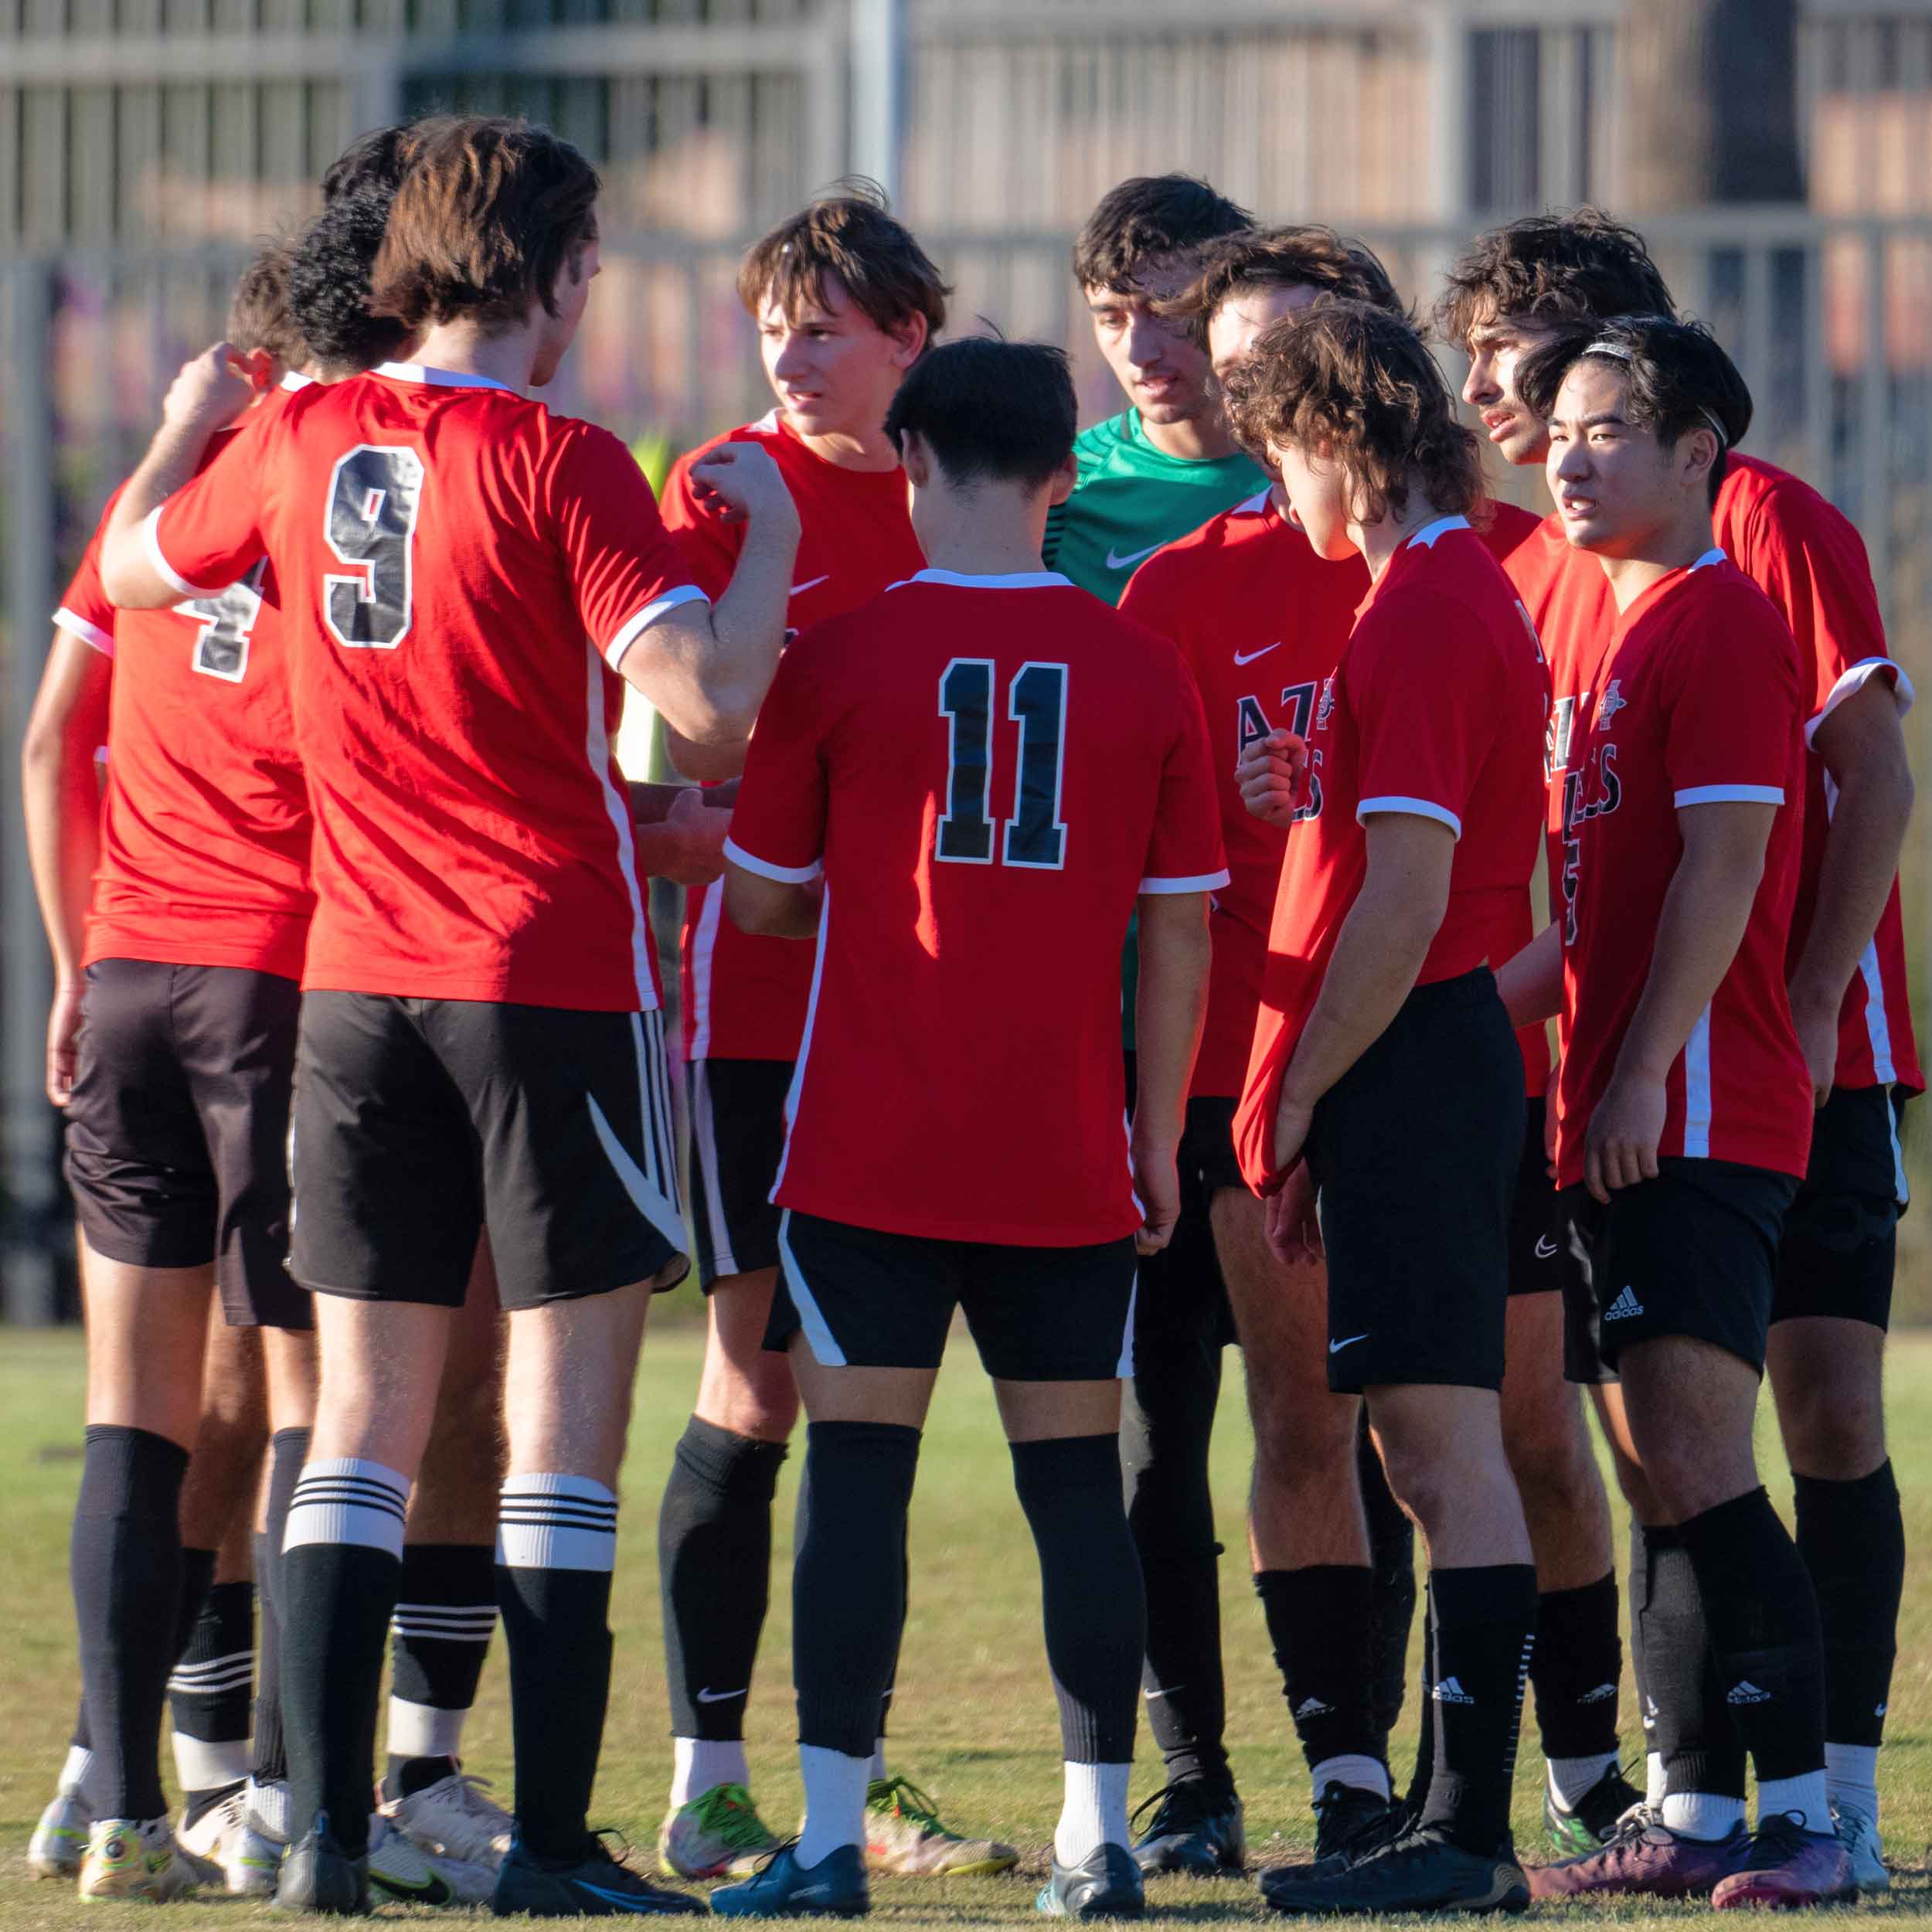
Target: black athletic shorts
1415	1152
737	1140
178	1130
1207	1147
1693	1253
1536	1247
420	1122
865	1299
1841	1234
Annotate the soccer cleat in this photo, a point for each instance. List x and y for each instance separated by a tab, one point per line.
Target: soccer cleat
1106	1884
717	1834
1789	1866
402	1870
134	1859
59	1841
224	1847
454	1818
1350	1823
1859	1835
905	1839
1418	1872
782	1888
1196	1831
593	1886
1591	1823
1645	1856
317	1875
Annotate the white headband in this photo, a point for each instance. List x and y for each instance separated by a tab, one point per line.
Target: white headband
1619	353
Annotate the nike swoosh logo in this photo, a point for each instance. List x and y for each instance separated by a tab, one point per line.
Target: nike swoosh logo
1248	657
1116	562
624	1901
707	1695
809	584
813	1892
1334	1348
430	1891
1546	1249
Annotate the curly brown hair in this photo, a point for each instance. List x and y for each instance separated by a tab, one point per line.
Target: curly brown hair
1309	255
258	315
1560	268
1359	386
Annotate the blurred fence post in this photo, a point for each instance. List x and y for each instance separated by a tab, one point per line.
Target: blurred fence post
27	1272
877	138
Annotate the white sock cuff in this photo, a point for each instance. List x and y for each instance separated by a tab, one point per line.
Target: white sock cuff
1655	1780
201	1765
1093	1812
1360	1772
73	1773
1851	1778
835	1802
1702	1813
269	1805
345	1500
1804	1795
1571	1778
700	1764
423	1730
556	1522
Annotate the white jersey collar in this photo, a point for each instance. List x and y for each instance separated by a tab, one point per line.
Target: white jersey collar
1010	581
437	378
1427	534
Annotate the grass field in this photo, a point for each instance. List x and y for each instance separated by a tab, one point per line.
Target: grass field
973	1717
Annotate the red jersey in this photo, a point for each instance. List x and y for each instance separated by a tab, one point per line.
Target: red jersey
204	820
744	997
1435	706
460	571
1699	704
1807	558
1044	761
1259	620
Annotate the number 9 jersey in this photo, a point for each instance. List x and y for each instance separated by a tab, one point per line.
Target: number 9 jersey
461	572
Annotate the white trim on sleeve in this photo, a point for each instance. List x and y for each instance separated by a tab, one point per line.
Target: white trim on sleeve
635	627
1410	808
1730	795
77	626
784	875
1852	680
151	542
1206	881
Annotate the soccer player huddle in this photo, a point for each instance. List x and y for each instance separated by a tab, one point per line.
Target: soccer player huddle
1179	958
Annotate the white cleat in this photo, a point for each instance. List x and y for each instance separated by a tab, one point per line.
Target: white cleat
454	1818
226	1847
402	1871
134	1858
1859	1835
59	1841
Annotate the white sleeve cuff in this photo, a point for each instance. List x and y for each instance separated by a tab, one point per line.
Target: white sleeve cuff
1411	808
77	626
151	542
1854	678
636	627
1206	881
784	875
1730	795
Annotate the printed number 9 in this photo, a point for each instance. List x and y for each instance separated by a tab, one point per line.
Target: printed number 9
374	498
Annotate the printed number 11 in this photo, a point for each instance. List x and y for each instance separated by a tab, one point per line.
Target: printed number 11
1036	702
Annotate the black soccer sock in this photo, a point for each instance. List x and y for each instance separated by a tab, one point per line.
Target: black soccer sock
1321	1622
82	1740
1392	1556
343	1560
1416	1799
1638	1590
848	1578
1485	1620
208	1695
1578	1665
1762	1615
287	1453
1851	1535
445	1615
714	1574
1090	1595
559	1543
125	1563
1686	1722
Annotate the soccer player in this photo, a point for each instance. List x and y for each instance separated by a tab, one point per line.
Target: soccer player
1684	1103
466	577
970	894
1517	285
846	302
1381	1050
1260	620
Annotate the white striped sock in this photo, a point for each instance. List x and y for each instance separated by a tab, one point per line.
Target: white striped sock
446	1623
556	1522
345	1500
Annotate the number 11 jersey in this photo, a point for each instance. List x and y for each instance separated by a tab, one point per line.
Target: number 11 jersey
461	571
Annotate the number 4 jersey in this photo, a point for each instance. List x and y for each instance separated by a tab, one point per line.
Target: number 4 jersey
460	572
988	770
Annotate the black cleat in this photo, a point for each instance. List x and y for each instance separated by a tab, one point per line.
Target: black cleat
1589	1823
1420	1873
1350	1823
1105	1885
317	1875
593	1886
1196	1831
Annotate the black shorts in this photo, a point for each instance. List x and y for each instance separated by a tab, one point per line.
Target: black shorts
178	1130
420	1122
865	1299
1415	1152
737	1140
1841	1234
1183	1318
1693	1253
1536	1247
1207	1148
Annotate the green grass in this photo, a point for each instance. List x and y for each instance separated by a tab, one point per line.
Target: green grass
974	1719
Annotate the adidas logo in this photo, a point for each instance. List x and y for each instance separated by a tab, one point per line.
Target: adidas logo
1450	1691
1746	1692
1600	1695
1624	1307
1311	1707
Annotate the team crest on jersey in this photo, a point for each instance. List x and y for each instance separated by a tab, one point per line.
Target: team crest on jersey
1612	702
1327	705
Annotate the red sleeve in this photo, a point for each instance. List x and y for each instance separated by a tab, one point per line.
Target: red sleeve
1421	677
625	566
209	535
85	612
710	544
1184	853
1147	601
778	824
1732	691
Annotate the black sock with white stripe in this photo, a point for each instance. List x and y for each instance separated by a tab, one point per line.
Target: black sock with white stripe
557	1546
208	1694
342	1560
445	1617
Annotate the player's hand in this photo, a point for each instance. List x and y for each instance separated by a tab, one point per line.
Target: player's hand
701	831
1620	1149
1273	776
1817	1022
1293	1228
209	392
63	1034
1157	1181
741	481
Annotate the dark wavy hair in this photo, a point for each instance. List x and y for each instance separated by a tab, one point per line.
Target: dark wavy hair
329	278
1306	256
1557	268
1145	219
